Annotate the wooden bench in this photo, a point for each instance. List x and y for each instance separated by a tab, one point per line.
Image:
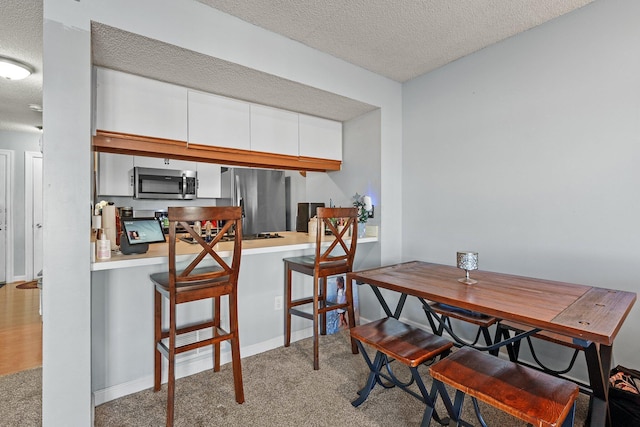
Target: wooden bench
506	327
447	313
527	394
396	341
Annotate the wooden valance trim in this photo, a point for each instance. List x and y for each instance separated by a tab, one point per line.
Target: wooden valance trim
121	143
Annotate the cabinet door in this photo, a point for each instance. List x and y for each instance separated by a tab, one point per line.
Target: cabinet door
274	131
209	180
320	138
218	121
115	174
140	106
160	163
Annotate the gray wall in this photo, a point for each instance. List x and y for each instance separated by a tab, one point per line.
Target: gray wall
527	152
360	174
19	143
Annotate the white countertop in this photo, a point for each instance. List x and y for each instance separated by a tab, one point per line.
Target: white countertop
158	252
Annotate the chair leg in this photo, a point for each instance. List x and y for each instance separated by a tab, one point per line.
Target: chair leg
235	348
351	314
216	323
171	387
157	326
287	305
322	295
316	361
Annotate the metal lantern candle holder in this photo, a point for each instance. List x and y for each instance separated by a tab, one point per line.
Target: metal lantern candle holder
467	261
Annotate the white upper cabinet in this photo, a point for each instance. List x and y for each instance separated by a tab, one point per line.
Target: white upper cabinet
160	163
115	174
131	104
274	131
320	138
209	181
218	121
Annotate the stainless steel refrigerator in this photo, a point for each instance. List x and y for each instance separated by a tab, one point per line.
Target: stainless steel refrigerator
261	194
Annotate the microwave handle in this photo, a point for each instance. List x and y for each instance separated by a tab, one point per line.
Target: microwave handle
184	186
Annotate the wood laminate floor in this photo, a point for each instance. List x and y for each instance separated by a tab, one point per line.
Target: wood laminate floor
20	329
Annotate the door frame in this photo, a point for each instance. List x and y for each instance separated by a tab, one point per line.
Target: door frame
8	154
28	212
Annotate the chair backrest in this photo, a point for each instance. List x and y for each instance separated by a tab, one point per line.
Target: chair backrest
339	255
229	221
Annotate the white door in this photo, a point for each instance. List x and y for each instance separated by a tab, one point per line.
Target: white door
6	256
34	213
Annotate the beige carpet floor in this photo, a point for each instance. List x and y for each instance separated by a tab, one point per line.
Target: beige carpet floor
281	389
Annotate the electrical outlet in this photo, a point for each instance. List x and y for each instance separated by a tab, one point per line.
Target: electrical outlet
277	304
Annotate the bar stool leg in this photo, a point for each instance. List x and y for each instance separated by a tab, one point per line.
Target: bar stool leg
157	359
316	344
171	387
287	305
235	348
216	323
322	300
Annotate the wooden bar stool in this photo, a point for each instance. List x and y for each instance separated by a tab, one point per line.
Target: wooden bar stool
336	259
532	396
410	346
193	284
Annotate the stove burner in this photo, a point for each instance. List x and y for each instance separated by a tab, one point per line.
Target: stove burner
259	236
264	236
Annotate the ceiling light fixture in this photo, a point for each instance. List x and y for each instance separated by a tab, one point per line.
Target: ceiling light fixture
14	70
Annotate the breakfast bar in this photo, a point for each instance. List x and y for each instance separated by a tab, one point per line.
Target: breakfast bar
122	310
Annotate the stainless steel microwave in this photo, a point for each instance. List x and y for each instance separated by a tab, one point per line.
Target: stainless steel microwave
150	183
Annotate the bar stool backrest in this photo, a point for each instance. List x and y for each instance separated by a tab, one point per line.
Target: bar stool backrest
338	256
225	272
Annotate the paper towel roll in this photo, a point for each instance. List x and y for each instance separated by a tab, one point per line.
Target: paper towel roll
96	221
109	224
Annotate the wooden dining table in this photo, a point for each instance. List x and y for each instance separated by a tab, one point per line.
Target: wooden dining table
591	316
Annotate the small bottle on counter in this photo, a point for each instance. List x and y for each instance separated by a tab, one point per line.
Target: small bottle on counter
103	246
207	227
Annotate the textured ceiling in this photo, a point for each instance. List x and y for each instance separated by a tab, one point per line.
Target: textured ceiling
21	39
135	54
399	39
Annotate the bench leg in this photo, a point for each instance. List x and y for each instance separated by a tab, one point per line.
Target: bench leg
374	369
376	376
429	399
454	409
571	417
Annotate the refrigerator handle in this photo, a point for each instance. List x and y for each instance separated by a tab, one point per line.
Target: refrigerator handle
239	201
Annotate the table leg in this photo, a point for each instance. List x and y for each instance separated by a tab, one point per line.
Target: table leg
599	365
385	306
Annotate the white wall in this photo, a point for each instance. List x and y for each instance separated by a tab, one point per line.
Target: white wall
67	92
527	152
19	143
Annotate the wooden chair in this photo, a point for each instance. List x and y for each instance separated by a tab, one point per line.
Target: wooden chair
532	396
196	282
396	341
336	259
